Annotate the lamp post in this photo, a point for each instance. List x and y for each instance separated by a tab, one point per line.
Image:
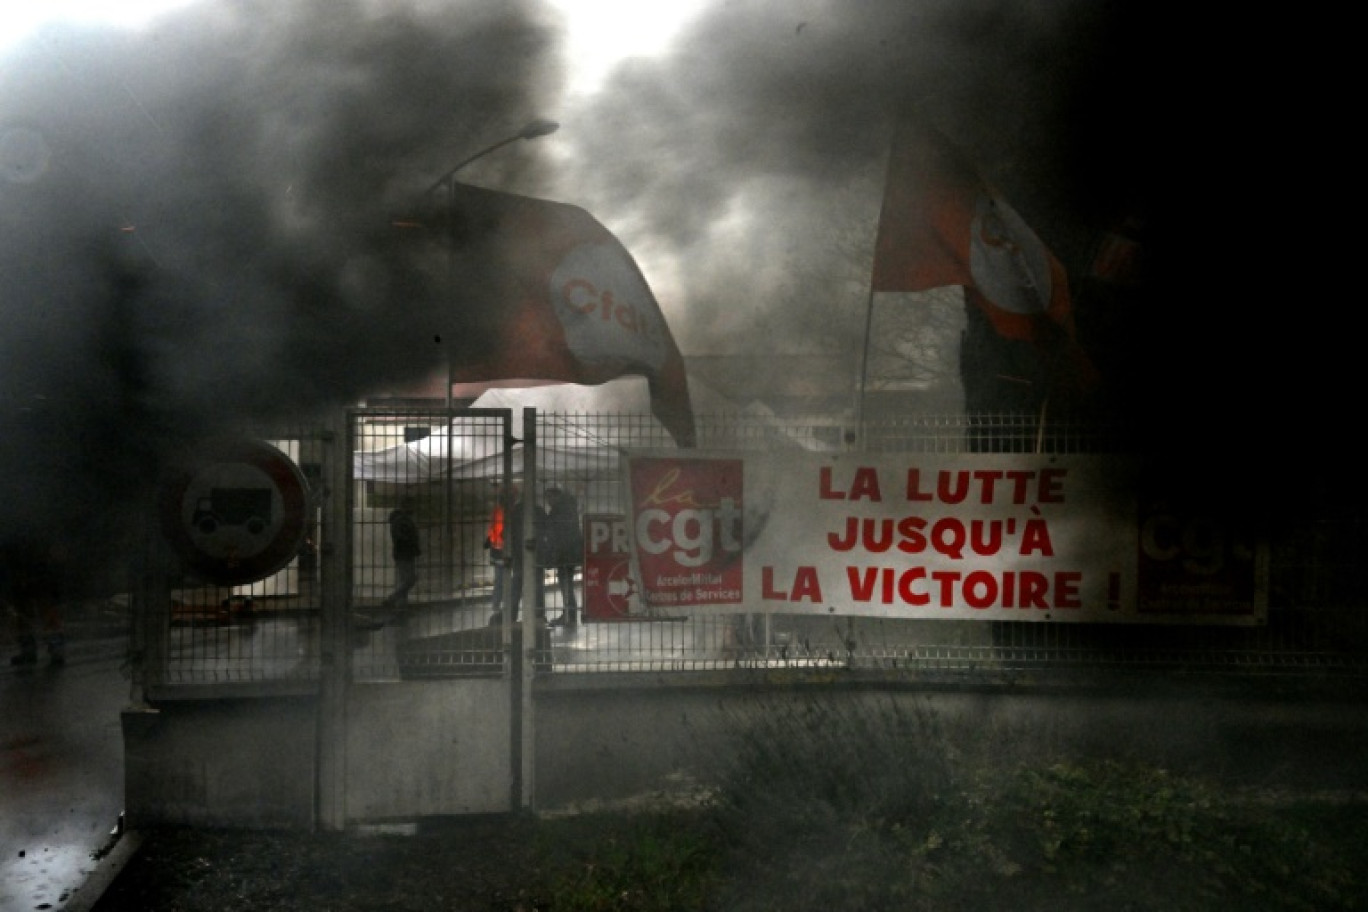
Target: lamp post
531	130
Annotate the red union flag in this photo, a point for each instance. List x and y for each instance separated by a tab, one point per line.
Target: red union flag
941	224
563	300
686	530
1119	258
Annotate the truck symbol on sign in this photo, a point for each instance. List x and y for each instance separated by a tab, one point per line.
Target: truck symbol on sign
246	507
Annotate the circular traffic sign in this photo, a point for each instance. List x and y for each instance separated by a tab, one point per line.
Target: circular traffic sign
234	510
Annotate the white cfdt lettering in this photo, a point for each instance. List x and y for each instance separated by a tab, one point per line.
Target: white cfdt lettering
583	297
580	295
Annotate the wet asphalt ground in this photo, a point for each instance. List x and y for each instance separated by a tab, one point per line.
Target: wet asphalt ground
61	776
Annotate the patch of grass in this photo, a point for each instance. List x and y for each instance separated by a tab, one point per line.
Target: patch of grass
1148	838
824	805
833	805
658	862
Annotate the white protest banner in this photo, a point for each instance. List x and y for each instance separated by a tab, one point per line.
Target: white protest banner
1005	537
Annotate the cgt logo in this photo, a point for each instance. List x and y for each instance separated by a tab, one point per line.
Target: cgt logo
1201	545
687	512
605	307
692	535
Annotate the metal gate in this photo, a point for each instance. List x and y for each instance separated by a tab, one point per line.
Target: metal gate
431	715
404	683
442	476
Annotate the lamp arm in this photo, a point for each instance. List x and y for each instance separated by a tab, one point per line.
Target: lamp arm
447	178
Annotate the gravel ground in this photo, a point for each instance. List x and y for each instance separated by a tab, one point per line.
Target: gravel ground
495	864
1296	858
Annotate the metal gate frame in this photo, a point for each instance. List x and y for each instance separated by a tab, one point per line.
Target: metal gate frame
343	698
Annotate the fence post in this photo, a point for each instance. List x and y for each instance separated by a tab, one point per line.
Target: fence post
335	669
151	607
531	587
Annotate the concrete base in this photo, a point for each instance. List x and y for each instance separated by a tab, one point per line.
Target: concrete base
428	748
431	748
237	763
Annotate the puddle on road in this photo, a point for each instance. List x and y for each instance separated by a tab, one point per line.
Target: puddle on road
43	877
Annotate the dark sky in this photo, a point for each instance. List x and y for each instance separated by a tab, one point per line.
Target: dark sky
194	219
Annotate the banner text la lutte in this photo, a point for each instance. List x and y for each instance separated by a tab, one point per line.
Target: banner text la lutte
950	538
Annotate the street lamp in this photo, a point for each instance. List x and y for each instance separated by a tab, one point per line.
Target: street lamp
530	130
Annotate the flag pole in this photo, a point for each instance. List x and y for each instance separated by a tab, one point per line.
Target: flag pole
869	305
531	130
1040	427
864	364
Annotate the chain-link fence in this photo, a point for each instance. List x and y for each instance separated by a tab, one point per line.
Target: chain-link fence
449	472
1315	620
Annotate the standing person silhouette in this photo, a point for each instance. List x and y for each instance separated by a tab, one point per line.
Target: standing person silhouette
517	552
565	549
494	543
32	576
405	548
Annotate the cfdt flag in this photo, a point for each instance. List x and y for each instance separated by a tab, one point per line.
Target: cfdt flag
941	224
560	299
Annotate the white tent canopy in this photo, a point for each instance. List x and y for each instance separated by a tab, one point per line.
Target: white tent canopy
425	461
422	460
481	457
628	395
580	463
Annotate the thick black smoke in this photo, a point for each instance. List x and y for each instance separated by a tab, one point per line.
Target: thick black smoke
1087	114
197	227
792	106
195	220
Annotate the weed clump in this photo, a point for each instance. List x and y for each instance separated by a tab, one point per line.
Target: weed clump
824	803
880	803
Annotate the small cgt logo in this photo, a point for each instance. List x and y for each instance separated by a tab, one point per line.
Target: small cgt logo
687	529
606	309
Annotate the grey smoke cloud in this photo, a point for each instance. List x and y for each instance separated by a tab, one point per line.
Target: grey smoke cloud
196	220
784	111
756	147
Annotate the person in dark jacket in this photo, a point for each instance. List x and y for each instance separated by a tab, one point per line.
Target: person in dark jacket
405	548
31	581
564	548
516	552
